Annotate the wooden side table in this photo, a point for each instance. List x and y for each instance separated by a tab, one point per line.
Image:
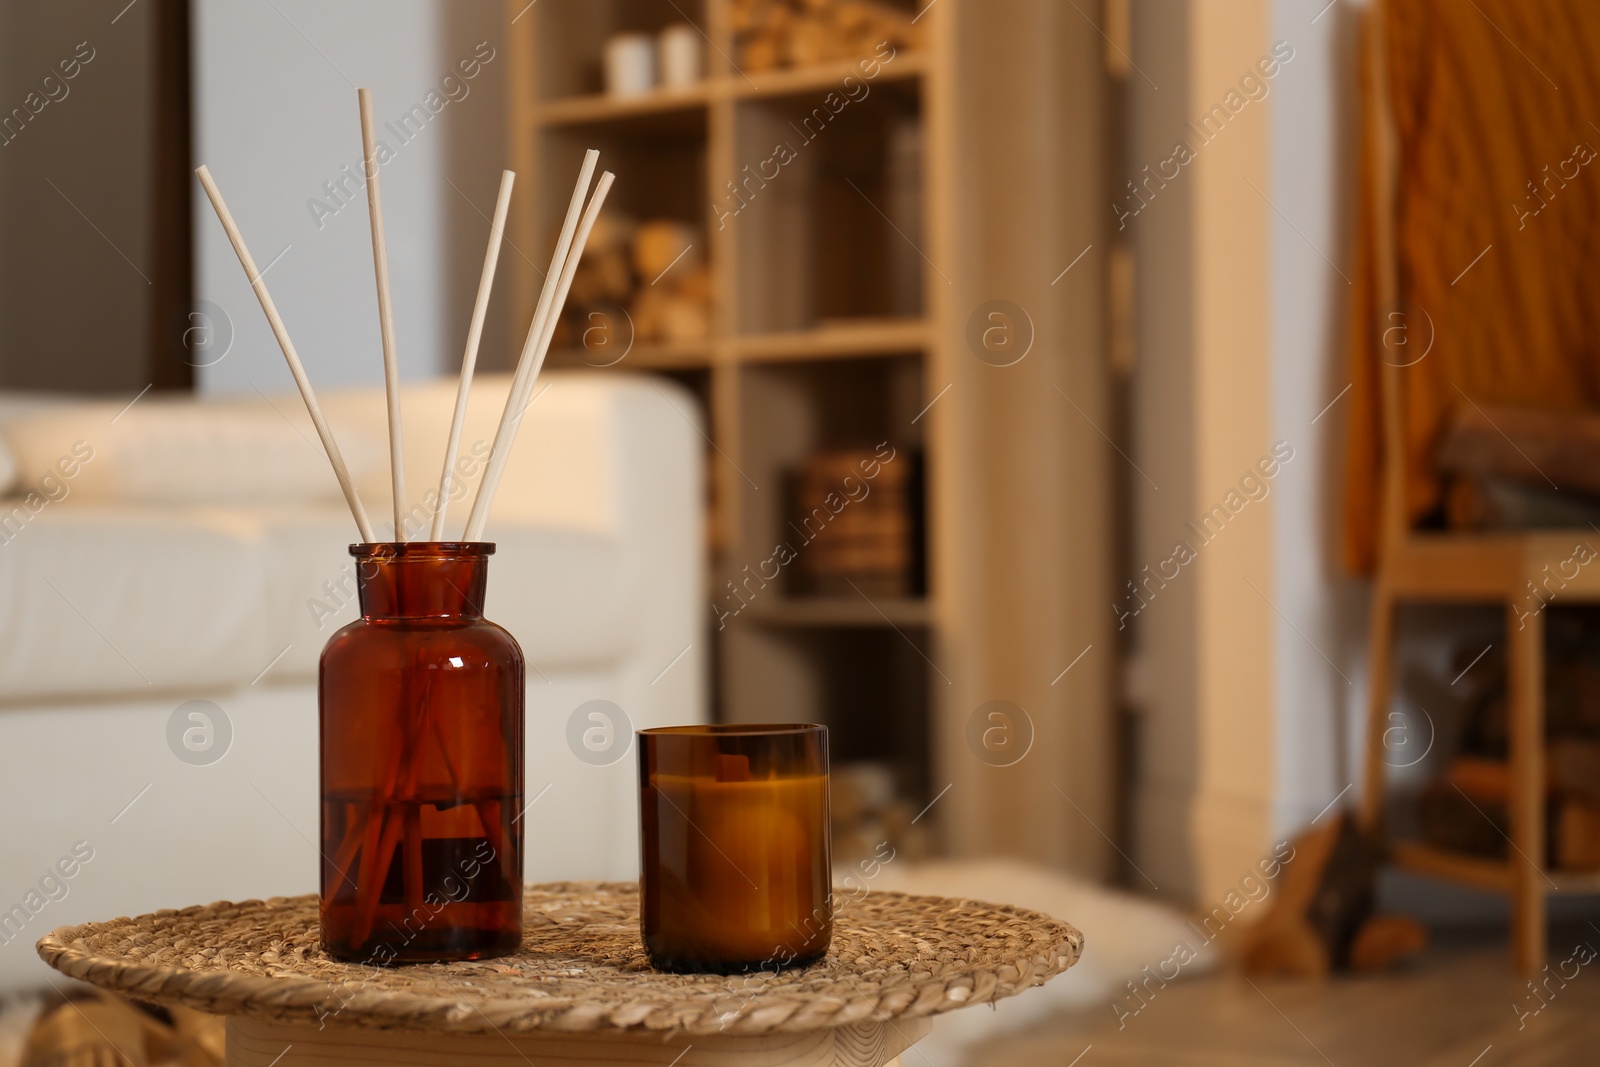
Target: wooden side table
580	992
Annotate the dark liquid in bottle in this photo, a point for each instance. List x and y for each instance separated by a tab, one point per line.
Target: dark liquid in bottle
453	894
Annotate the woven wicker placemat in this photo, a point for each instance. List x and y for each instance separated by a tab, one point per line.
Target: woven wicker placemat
582	968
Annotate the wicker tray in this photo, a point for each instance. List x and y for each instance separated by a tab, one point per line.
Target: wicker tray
582	968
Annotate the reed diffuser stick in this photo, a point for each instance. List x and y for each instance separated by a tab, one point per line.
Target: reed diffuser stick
257	283
470	358
479	513
517	402
380	266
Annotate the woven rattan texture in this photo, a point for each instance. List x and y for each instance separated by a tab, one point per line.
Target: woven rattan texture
582	968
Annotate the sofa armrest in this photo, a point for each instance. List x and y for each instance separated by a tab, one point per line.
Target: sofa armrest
619	456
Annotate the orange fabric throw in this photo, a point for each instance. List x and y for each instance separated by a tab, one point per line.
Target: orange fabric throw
1498	232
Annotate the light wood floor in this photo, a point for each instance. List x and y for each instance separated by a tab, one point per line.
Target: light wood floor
1454	1009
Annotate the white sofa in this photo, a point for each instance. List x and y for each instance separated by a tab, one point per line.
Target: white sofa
201	554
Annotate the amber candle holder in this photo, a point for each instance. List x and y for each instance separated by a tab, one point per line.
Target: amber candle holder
421	764
733	835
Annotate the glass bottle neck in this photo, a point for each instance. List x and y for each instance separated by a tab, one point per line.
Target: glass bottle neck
422	580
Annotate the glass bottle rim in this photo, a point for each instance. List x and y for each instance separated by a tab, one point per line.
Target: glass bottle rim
727	729
422	550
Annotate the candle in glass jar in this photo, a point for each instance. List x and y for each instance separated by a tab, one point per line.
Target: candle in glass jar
734	838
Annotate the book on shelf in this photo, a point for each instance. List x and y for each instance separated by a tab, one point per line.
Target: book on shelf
858	521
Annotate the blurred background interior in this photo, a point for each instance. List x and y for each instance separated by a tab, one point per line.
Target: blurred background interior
1157	437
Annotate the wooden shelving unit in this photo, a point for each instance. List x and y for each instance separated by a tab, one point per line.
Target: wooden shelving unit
601	107
1496	876
838	611
662	356
840	319
858	340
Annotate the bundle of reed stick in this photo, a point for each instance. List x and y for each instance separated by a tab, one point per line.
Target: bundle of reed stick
580	219
378	837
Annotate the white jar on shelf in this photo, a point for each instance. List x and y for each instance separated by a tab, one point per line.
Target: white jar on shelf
680	58
630	64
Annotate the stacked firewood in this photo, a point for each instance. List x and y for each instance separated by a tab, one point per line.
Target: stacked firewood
652	275
798	33
1502	466
1468	808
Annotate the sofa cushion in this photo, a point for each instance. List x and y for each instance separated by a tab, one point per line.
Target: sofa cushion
115	598
175	581
181	452
100	598
558	591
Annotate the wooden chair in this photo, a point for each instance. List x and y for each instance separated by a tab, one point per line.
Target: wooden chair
1495	568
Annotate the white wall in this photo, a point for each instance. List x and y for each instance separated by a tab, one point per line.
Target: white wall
1319	683
1246	668
275	92
1205	640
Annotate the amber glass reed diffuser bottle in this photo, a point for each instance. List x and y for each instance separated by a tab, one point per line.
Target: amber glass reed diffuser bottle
421	705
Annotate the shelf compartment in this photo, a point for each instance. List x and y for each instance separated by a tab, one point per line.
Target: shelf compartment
870	687
800	409
611	306
571	37
824	206
837	339
663	105
652	113
891	612
804	405
822	77
672	155
657	356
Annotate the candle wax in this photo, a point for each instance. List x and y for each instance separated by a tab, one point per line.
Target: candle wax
744	877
